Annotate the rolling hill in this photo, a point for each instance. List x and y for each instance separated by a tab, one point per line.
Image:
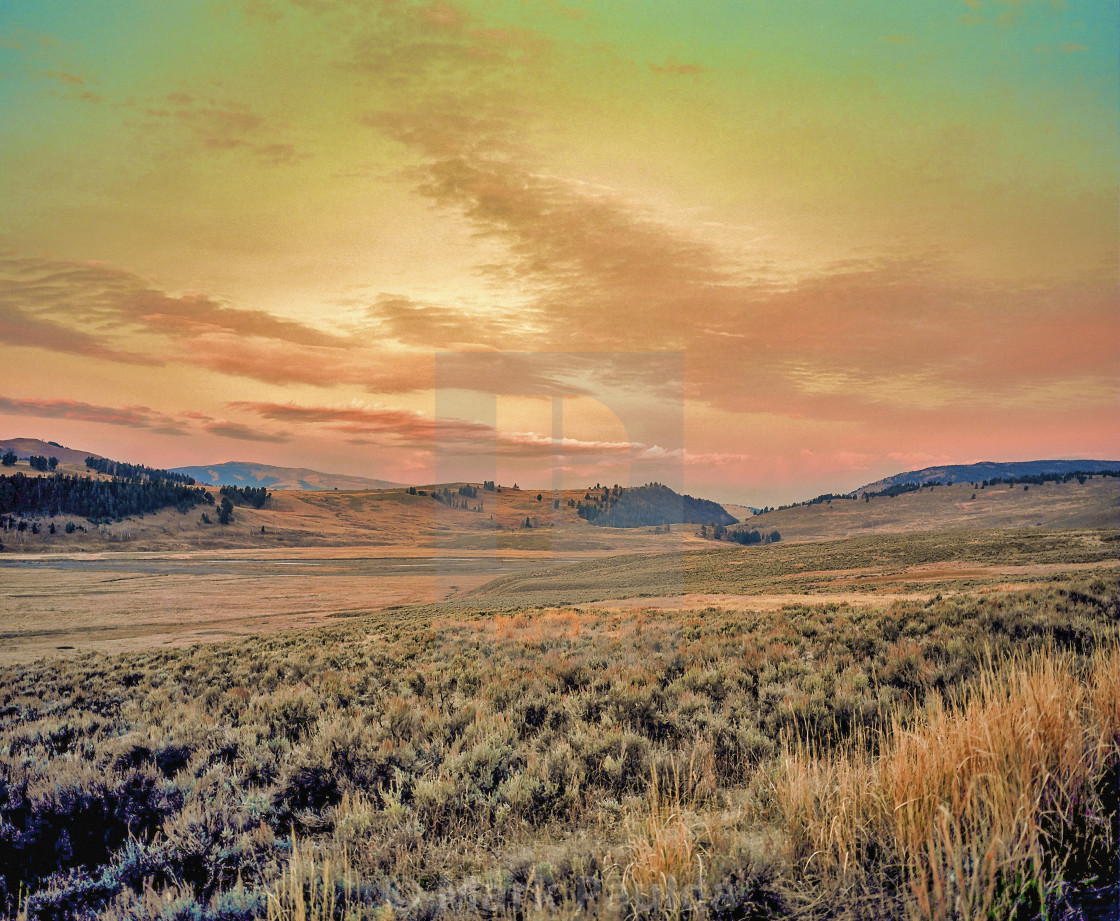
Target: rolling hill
242	473
1073	505
29	447
652	504
987	470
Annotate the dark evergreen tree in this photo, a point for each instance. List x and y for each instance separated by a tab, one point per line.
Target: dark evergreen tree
97	500
256	496
136	472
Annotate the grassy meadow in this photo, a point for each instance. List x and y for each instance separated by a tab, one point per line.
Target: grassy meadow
930	730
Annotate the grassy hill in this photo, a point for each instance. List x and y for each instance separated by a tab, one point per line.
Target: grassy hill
650	505
652	726
394	518
29	447
512	519
988	470
391	519
241	473
1094	504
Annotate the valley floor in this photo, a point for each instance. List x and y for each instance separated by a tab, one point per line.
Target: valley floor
917	725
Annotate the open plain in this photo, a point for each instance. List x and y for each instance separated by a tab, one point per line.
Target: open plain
382	706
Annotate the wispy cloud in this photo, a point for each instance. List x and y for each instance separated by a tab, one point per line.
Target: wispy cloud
100	311
244	432
131	416
676	69
386	426
403	426
858	341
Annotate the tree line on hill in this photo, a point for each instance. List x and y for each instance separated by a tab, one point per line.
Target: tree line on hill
900	489
35	461
740	536
99	501
256	496
136	471
1029	479
652	504
1038	479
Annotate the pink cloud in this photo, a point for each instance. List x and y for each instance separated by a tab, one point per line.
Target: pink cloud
132	416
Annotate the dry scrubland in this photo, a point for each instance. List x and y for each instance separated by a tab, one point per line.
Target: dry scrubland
931	731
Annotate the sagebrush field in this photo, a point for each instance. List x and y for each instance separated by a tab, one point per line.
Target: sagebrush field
922	725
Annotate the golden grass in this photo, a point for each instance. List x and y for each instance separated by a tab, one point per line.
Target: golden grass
976	806
309	889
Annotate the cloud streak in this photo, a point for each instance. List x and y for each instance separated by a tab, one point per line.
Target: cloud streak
76	411
893	334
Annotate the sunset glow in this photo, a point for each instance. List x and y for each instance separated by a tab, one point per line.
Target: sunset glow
783	247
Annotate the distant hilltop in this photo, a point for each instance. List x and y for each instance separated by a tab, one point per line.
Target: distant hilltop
652	504
987	470
32	447
240	473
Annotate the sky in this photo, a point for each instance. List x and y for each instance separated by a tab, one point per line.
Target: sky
755	249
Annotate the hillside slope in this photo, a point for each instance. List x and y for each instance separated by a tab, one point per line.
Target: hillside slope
243	473
987	470
29	447
650	505
1094	504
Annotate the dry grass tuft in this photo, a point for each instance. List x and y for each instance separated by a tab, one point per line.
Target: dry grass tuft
671	839
979	807
314	888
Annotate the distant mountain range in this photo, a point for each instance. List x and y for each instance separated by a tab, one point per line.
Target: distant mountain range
987	470
240	473
245	473
234	473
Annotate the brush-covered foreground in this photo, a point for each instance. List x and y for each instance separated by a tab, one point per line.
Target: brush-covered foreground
951	757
